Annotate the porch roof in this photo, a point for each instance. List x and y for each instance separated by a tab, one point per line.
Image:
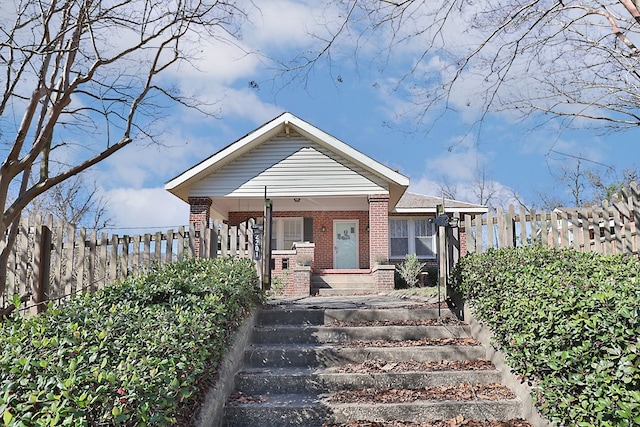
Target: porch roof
421	204
182	185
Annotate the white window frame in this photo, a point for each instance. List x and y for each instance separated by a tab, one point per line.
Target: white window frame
278	230
411	237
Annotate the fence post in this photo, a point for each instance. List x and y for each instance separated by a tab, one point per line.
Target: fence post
80	260
181	243
42	254
168	252
489	233
68	249
215	235
124	257
533	227
564	230
634	198
91	274
522	220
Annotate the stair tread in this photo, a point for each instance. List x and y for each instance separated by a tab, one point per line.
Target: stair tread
297	399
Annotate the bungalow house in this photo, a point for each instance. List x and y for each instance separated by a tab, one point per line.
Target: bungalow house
338	216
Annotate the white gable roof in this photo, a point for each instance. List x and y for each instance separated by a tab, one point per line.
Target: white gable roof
298	165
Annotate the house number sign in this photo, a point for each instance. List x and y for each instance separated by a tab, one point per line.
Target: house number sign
257	241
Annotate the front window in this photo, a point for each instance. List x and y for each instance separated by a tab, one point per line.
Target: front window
398	237
412	236
424	238
285	232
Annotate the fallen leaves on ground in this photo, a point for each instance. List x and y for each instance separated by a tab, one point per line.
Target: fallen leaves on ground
459	421
413	343
463	391
418	322
239	398
377	366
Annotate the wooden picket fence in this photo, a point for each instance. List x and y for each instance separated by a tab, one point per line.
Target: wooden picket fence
52	261
611	228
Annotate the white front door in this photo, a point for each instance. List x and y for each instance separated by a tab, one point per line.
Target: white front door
345	244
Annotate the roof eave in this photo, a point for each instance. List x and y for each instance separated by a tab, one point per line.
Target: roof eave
432	210
179	185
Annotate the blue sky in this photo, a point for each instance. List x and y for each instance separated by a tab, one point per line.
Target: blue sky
358	101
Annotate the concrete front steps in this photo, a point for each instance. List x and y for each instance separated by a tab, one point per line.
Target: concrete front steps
292	369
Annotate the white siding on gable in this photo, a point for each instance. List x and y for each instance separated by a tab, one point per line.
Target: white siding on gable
289	166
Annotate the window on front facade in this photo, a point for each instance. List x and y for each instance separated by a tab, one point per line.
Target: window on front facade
424	238
411	236
285	232
398	238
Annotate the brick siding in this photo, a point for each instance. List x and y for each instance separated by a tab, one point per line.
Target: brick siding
199	212
323	240
379	227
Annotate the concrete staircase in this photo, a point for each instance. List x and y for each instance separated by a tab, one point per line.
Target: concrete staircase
295	371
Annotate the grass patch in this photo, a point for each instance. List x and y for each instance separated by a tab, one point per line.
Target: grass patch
141	353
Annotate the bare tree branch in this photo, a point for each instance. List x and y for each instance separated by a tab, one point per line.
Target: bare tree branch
84	76
574	60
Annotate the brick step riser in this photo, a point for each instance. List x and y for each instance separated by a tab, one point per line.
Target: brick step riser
323	357
315	415
343	283
322	317
269	383
328	334
323	281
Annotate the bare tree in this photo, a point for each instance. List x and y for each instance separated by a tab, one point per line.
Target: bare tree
74	202
576	60
572	179
578	185
82	79
610	183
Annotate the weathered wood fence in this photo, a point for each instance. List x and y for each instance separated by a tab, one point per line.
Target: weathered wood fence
611	228
52	261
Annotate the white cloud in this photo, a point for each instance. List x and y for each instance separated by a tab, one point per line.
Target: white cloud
146	208
464	173
283	24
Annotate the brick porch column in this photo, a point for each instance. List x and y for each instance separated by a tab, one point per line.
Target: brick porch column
378	227
200	211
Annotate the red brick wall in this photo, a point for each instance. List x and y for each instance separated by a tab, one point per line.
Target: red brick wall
323	240
379	227
200	211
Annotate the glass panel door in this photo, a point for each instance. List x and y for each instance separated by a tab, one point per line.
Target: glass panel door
345	244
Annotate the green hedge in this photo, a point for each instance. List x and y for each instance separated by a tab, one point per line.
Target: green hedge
142	352
568	323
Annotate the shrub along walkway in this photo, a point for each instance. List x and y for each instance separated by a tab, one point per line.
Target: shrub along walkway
366	361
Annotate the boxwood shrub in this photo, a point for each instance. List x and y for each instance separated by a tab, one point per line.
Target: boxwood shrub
142	352
568	323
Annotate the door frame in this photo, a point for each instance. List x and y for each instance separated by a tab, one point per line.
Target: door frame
357	239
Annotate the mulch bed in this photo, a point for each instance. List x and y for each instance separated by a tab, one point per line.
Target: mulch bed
413	343
464	391
421	322
382	366
454	422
